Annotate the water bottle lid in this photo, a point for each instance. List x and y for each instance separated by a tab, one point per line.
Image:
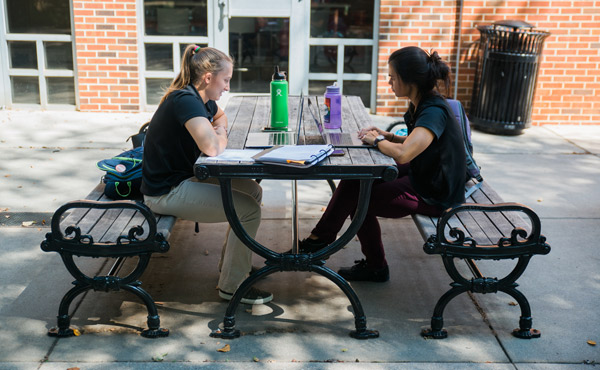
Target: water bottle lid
278	75
333	89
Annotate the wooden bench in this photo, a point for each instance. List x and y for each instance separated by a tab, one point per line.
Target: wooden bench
99	227
484	228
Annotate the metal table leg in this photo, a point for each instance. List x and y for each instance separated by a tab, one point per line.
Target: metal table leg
295	262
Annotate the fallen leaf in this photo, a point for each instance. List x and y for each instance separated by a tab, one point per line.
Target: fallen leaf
540	199
344	349
255	359
7	175
73	368
227	348
27	223
513	303
76	332
591	342
159	358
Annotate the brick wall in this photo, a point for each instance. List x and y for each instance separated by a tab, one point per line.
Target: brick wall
107	55
568	87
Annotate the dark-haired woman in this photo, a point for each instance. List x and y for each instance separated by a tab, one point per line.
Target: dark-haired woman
431	164
188	122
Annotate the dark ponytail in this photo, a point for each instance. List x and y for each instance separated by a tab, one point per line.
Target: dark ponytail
415	66
195	63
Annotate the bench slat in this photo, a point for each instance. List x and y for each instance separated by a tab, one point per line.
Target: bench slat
119	225
165	225
77	214
105	223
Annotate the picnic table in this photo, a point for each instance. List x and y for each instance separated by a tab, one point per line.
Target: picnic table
248	114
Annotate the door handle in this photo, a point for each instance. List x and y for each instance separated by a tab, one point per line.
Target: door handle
221	13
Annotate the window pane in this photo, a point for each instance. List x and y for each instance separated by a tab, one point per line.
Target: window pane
22	54
170	18
359	88
47	16
323	59
59	55
257	45
316	87
25	90
342	18
155	89
61	90
159	57
358	59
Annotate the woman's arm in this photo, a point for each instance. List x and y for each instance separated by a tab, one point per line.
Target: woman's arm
211	139
390	136
405	151
220	119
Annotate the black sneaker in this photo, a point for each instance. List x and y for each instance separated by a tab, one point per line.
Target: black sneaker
311	246
253	296
361	272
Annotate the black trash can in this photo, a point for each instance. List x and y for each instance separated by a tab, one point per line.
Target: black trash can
506	76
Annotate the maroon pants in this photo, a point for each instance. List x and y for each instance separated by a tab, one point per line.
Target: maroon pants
391	199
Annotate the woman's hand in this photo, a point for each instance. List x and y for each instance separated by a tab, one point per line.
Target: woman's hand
379	131
368	137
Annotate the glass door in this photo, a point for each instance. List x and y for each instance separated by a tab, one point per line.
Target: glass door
262	34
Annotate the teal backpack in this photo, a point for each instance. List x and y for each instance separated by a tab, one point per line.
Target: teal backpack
123	176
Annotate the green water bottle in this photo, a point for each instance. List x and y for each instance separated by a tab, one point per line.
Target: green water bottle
279	101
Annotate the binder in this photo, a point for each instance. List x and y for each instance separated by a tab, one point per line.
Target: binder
294	155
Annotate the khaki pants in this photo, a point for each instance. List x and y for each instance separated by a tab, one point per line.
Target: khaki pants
200	201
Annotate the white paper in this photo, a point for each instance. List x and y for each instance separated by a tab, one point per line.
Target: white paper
234	155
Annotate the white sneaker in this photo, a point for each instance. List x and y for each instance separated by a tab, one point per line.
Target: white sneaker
253	296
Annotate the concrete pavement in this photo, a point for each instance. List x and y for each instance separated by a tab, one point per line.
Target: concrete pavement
49	158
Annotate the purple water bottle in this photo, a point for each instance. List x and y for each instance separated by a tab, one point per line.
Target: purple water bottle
333	103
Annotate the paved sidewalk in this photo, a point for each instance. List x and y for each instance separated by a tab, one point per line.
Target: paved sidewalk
49	158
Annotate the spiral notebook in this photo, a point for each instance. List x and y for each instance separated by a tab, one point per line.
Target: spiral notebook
294	155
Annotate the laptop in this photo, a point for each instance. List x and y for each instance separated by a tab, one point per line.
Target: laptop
336	138
270	139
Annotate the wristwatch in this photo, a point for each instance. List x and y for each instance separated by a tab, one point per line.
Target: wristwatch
377	140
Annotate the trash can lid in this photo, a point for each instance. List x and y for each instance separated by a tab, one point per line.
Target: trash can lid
514	24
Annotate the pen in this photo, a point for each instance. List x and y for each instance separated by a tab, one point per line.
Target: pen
296	162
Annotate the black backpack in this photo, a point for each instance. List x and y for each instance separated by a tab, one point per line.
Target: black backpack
473	170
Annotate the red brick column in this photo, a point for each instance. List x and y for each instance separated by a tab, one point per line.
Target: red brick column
568	86
107	55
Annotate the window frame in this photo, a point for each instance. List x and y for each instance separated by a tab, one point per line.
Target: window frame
41	72
339	76
175	42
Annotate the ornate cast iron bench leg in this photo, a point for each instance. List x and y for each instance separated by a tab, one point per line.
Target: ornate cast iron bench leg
83	245
518	245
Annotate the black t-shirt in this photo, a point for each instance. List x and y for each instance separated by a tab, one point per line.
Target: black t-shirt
169	149
438	173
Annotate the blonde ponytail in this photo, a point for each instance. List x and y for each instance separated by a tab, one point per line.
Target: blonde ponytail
195	63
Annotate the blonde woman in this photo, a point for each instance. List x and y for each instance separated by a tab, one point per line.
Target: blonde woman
188	122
